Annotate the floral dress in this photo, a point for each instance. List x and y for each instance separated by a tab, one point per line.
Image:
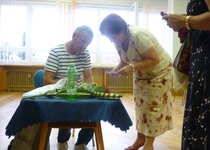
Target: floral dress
152	88
196	123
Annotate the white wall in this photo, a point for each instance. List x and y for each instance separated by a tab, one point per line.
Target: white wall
174	6
177	7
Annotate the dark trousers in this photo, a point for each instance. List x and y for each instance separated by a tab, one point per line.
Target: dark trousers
84	136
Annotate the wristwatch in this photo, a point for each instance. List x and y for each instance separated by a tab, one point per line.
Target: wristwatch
133	69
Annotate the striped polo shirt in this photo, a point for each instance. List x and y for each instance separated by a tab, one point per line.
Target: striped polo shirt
59	60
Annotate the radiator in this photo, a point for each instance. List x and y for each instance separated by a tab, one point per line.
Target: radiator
19	80
119	84
23	80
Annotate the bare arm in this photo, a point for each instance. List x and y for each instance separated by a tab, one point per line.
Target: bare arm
88	78
120	65
198	22
49	77
151	59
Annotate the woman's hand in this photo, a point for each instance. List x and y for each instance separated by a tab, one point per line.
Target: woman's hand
126	70
175	21
113	72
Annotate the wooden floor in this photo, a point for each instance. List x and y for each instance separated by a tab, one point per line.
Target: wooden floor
114	138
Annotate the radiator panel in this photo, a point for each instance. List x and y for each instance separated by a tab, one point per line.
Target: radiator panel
119	84
19	80
23	80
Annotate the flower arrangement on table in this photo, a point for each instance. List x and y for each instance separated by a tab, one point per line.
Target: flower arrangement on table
88	90
85	90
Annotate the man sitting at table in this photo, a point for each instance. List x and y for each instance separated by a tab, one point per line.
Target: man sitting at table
58	61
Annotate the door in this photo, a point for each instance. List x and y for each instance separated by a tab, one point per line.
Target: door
133	15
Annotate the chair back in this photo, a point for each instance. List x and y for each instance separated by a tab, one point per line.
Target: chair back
39	78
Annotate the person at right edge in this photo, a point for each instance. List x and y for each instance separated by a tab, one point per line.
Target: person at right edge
196	122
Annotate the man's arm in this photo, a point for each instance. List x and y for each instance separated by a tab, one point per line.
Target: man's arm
49	77
88	78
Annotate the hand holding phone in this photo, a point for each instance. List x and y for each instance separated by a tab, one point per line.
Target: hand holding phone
163	13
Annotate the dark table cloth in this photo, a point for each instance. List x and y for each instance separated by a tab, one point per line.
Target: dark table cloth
51	109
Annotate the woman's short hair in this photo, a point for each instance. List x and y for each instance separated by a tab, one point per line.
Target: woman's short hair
113	24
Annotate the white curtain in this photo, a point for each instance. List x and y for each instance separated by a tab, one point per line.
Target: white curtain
151	19
65	17
30	28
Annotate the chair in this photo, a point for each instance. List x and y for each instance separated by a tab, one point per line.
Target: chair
39	82
72	124
39	78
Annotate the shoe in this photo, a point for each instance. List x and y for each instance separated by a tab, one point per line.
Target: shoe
10	145
62	146
48	146
80	147
135	147
132	148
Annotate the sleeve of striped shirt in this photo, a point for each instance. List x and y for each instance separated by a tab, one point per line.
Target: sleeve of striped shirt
52	63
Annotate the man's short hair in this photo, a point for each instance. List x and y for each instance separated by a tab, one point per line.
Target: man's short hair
82	28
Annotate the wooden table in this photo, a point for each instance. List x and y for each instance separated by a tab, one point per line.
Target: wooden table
54	112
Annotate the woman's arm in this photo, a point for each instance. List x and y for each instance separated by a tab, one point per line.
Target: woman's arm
120	65
198	22
151	59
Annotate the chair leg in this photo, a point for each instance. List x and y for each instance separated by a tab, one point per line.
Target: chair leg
43	136
73	132
184	98
93	141
174	98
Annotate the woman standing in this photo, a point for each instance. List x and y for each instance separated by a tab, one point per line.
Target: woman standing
196	123
142	55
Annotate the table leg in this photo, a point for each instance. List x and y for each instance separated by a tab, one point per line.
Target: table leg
99	136
43	136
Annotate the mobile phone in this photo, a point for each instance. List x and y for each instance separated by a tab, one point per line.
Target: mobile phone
163	13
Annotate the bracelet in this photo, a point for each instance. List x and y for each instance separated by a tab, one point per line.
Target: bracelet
187	23
133	69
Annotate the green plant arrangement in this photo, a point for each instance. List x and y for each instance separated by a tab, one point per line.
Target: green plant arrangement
87	90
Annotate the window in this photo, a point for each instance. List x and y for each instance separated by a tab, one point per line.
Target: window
12	32
102	50
29	30
13	25
27	33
